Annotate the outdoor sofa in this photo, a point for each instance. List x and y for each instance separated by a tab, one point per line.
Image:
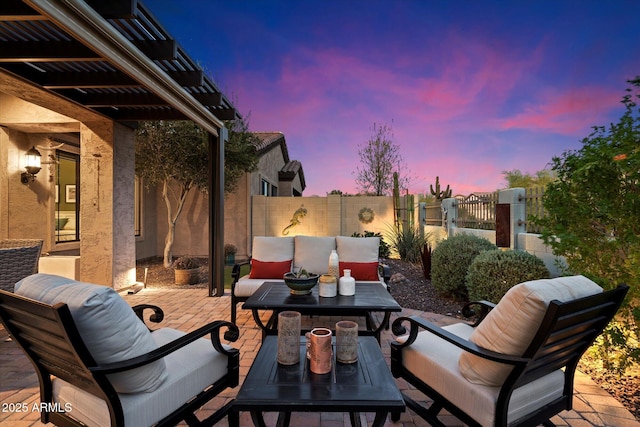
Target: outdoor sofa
272	257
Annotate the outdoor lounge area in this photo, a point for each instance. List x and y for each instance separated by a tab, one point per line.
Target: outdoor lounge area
186	310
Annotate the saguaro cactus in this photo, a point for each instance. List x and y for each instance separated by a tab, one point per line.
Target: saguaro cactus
440	195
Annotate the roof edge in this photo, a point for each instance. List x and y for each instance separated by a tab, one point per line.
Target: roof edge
84	23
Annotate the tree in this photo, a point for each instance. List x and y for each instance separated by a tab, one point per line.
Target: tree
515	178
379	159
174	154
593	207
240	153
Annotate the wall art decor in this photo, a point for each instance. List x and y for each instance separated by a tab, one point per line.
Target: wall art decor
300	213
366	215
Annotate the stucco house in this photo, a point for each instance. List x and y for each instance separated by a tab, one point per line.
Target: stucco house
75	78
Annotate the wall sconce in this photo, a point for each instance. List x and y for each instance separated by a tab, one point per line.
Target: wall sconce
32	166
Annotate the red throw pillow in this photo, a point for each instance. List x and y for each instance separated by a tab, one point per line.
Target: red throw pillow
361	270
269	269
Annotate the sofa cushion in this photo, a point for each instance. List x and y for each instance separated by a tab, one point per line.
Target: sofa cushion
312	253
511	325
357	249
360	254
190	369
361	270
434	361
272	248
109	328
269	269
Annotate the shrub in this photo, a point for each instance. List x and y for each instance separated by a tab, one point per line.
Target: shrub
186	263
408	242
230	249
451	260
383	250
493	273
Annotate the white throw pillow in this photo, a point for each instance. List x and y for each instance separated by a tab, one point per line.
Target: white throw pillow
312	253
510	327
272	248
357	249
107	324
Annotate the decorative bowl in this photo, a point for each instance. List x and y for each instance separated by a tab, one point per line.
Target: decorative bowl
300	285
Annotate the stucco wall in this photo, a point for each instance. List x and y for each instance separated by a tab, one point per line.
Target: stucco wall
192	227
325	216
533	244
25	206
147	242
269	165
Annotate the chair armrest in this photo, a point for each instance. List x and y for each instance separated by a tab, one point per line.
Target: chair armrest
212	328
385	271
416	323
156	317
484	307
235	272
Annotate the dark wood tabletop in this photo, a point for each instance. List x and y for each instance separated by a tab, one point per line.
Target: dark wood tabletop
369	298
364	386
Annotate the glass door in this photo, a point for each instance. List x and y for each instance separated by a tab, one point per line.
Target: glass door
67	217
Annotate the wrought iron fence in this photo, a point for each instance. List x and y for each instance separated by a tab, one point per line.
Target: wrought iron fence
477	211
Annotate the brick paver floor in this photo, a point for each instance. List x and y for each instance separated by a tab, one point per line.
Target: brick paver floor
188	309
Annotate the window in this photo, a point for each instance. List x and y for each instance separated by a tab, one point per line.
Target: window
268	189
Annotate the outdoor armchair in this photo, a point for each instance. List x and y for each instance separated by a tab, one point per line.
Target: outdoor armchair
99	365
18	259
515	366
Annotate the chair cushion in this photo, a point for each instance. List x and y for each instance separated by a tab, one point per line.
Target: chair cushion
247	286
190	370
312	253
360	254
512	324
269	269
108	326
435	362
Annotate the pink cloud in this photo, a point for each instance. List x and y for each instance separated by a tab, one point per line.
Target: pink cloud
568	112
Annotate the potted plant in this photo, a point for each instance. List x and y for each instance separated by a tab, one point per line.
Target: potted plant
187	270
230	254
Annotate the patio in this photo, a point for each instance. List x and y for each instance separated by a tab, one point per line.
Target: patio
188	309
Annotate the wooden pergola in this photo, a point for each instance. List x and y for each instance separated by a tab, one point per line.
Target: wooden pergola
114	59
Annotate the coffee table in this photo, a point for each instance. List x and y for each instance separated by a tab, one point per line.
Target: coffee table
364	386
368	299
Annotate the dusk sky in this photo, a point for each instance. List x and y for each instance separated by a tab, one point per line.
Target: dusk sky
470	88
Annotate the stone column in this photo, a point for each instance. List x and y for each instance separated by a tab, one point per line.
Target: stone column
449	215
516	198
107	241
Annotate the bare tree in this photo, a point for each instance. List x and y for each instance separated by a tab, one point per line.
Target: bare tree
379	159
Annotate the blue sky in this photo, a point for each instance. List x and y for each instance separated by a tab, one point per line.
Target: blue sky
470	88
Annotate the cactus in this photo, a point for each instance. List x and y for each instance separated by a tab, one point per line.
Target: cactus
440	195
409	207
396	198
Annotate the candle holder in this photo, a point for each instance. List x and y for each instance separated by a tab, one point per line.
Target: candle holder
320	352
289	337
346	341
